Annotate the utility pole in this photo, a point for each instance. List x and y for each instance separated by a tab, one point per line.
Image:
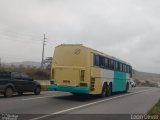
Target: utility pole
44	41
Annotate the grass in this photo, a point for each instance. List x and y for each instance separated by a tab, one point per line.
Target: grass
155	110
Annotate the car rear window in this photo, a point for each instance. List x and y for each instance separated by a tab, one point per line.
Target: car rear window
5	75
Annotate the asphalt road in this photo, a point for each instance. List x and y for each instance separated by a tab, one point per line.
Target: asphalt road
60	105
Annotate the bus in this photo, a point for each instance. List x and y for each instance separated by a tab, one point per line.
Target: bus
81	70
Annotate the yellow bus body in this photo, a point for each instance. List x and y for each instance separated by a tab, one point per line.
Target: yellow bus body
73	70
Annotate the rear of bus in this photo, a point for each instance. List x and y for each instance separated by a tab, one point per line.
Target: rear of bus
69	71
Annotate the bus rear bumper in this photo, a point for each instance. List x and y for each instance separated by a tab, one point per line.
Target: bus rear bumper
72	89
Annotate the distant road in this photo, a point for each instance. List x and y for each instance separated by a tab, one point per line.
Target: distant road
49	104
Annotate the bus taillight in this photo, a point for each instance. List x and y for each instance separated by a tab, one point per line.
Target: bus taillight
51	82
84	84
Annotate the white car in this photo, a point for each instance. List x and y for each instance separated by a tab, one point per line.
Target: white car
132	83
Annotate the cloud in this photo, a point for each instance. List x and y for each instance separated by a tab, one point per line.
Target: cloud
126	29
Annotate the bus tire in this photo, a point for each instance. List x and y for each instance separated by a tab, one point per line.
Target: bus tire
109	90
127	87
104	90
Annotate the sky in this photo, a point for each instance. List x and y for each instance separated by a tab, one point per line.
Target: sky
126	29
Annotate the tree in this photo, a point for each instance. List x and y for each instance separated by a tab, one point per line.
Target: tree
48	63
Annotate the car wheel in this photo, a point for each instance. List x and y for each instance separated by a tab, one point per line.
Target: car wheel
37	91
20	93
8	92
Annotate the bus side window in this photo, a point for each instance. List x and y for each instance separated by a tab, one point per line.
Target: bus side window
116	65
120	66
111	64
124	68
101	61
106	63
127	69
96	60
130	71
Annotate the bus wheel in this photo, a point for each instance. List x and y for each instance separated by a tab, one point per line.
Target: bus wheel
109	90
104	90
127	87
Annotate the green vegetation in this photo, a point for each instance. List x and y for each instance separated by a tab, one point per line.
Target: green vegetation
34	72
155	110
149	83
145	83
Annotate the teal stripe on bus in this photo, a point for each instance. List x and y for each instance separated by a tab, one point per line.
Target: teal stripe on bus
119	83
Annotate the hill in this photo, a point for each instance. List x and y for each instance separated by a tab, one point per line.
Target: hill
146	76
25	63
146	79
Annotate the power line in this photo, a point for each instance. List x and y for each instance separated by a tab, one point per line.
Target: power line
19	40
15	33
19	36
44	41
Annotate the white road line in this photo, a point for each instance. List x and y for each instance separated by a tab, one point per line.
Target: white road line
41	97
88	104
